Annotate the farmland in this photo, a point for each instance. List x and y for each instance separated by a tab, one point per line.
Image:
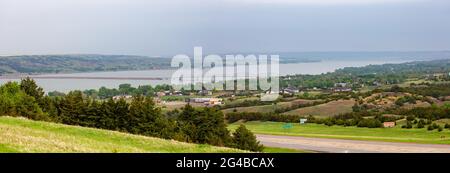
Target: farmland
269	108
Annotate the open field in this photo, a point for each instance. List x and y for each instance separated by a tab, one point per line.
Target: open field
395	134
325	110
269	108
22	135
283	150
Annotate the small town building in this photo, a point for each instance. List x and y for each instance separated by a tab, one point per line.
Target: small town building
160	94
204	93
206	101
342	89
388	124
118	97
303	120
290	90
341	84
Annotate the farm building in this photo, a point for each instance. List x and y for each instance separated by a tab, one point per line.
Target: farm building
389	124
122	97
290	90
206	101
160	94
342	85
342	89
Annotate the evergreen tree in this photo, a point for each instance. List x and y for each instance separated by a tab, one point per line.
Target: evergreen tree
145	118
15	102
72	108
30	87
246	140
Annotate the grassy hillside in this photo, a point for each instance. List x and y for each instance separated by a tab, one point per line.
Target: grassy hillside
395	134
22	135
269	108
325	110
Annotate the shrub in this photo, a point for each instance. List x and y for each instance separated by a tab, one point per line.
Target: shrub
370	123
420	124
329	122
410	118
435	126
408	124
447	126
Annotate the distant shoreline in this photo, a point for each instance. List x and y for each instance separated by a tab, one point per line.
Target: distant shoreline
82	77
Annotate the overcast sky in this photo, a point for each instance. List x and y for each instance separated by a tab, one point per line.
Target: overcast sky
168	27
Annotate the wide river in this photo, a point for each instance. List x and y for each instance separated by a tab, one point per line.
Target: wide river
65	85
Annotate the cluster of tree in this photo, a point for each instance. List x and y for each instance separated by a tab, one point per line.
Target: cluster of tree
140	116
405	99
359	119
247	103
126	89
258	116
14	101
433	112
412	121
435	126
434	90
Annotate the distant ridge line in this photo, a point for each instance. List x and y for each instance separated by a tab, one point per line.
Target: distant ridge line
83	77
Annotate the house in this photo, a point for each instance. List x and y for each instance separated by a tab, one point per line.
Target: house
206	101
388	124
376	83
303	120
342	89
290	90
118	97
160	94
341	84
214	101
197	100
179	93
204	92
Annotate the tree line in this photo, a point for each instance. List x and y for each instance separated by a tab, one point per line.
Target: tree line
139	116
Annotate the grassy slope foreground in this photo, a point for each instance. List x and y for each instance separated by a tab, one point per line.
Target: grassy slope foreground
22	135
395	134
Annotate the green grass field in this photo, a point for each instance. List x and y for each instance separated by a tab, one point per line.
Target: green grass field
283	150
22	135
395	134
269	108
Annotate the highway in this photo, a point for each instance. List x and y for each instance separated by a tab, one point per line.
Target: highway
348	146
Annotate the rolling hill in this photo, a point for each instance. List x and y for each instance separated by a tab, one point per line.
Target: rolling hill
23	135
38	64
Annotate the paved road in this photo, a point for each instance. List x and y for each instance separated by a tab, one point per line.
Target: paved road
348	146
